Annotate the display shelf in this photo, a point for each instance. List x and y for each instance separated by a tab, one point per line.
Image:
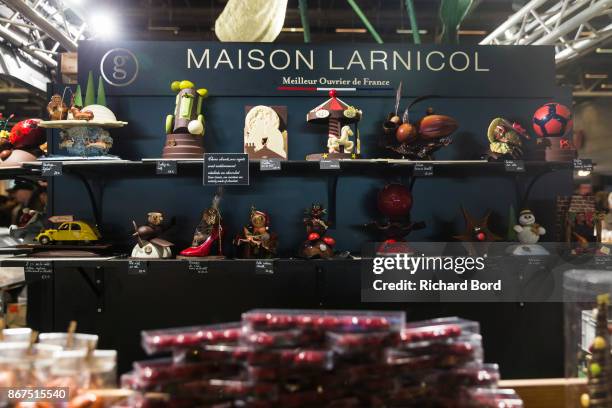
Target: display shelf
12	172
444	168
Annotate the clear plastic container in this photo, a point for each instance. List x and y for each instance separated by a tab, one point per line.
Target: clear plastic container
22	365
454	345
159	341
103	369
455	355
352	343
20	334
79	340
69	369
337	320
281	338
442	328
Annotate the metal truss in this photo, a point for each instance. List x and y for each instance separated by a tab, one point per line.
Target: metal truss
33	32
574	27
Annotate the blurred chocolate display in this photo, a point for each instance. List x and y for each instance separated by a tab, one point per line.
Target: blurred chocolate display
394	201
338	115
256	241
25	141
185	128
505	139
317	244
265	132
416	140
208	235
149	244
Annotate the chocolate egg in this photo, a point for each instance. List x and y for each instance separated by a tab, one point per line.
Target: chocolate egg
406	133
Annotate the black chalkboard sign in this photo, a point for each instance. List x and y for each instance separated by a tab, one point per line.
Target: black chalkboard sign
226	169
264	267
423	170
514	166
165	167
137	267
583	164
269	164
197	267
38	270
51	169
329	164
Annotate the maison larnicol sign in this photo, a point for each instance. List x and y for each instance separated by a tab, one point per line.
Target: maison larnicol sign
240	69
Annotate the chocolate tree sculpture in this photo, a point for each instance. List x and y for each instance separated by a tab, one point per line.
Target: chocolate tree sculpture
338	115
185	128
317	245
599	370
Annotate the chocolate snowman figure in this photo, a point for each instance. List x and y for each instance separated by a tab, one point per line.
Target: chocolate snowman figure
527	230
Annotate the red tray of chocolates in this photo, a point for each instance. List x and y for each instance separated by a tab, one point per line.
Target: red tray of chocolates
159	341
336	320
437	329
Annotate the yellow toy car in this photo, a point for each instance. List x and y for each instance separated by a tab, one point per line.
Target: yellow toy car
70	231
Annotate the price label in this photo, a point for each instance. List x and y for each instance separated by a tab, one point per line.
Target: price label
583	164
51	169
514	166
137	267
329	165
264	267
269	164
38	270
165	167
197	267
423	170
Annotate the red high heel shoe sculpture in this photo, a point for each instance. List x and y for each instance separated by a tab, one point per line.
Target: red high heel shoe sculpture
256	241
208	236
317	245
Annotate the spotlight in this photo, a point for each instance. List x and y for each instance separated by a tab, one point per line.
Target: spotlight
103	24
583	173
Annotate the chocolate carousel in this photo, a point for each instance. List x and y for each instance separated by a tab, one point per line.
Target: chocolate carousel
338	115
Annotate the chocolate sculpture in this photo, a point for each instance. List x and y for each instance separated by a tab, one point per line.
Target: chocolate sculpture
56	108
505	139
208	234
477	236
256	241
551	123
149	244
317	245
185	128
528	232
418	140
394	202
338	115
24	142
265	133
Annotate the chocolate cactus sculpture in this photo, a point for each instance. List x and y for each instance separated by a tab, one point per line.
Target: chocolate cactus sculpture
599	386
185	128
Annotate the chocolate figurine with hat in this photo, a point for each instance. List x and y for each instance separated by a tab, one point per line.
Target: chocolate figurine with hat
338	116
528	233
256	240
149	244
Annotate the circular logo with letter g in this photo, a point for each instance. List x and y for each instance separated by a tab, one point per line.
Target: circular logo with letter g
119	67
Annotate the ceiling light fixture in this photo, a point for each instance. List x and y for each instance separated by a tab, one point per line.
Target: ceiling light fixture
603	50
408	31
583	173
292	30
351	30
596	76
103	24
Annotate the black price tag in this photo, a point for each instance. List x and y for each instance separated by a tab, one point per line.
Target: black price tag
166	167
329	164
423	170
514	166
226	169
38	270
197	267
51	169
269	164
264	267
136	267
583	164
